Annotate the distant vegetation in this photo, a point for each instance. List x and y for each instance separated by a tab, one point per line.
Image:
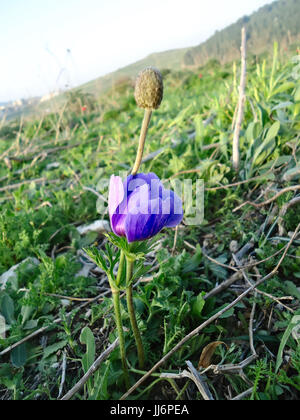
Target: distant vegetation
278	21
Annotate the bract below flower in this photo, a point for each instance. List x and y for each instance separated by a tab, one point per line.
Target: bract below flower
140	207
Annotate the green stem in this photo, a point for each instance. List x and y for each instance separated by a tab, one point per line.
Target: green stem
139	155
116	301
117	309
130	305
120	269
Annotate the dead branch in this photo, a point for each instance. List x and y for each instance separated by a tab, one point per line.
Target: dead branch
241	104
28	181
243	395
39	158
265	203
52	150
236	184
195	376
200	383
94	367
230	368
224	285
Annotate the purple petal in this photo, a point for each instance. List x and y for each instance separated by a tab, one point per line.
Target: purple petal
151	179
140	207
176	210
115	197
145	224
116	193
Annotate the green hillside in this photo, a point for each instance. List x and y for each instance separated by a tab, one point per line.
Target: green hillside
278	21
165	60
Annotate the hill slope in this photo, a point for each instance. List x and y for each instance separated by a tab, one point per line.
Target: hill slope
278	21
168	59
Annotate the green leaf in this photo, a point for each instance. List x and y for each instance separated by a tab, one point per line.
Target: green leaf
282	105
194	262
100	390
18	355
87	338
227	314
26	311
297	95
275	163
118	241
291	174
31	324
264	116
180	117
292	289
272	132
283	88
199	126
7	308
88	239
295	321
3	326
98	258
219	271
267	147
54	348
198	305
253	131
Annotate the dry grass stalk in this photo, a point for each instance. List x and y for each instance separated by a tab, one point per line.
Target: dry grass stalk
241	104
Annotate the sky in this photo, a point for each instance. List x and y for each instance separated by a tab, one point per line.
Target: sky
47	45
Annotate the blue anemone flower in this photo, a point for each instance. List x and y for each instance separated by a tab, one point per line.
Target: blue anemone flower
140	207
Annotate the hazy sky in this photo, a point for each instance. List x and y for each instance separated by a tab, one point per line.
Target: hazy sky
48	44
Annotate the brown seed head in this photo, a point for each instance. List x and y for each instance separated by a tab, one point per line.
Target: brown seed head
148	91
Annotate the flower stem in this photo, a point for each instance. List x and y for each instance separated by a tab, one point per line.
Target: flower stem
117	309
120	269
139	155
130	305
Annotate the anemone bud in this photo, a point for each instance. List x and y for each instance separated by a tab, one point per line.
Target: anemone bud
149	88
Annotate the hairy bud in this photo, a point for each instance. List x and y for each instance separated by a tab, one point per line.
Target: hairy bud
149	88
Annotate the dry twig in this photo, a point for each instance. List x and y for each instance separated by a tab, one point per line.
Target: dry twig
241	104
243	395
195	376
28	181
265	203
52	150
94	367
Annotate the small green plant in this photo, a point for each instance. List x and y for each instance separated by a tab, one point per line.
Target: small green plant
136	214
